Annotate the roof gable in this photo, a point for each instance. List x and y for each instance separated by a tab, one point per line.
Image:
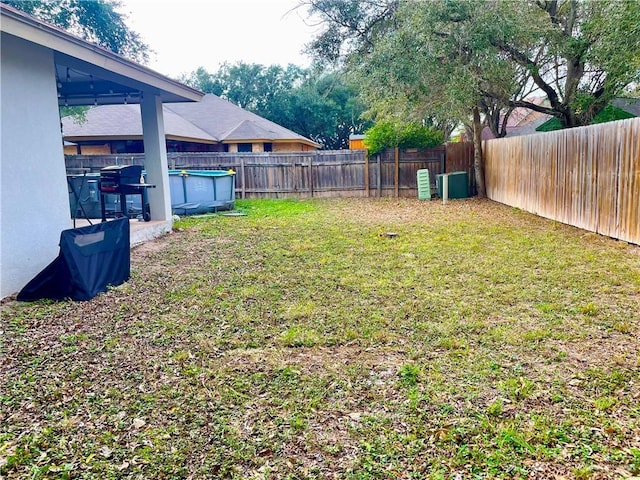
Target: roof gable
249	129
221	118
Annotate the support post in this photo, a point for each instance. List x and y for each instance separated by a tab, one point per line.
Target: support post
310	176
242	176
155	158
379	179
366	172
396	171
445	188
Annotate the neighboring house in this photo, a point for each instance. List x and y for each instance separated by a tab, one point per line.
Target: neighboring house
522	121
41	68
210	125
631	105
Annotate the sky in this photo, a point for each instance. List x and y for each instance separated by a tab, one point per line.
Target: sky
188	34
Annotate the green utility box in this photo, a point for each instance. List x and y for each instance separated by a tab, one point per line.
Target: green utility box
458	184
424	187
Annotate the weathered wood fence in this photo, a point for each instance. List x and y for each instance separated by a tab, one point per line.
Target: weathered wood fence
344	173
588	177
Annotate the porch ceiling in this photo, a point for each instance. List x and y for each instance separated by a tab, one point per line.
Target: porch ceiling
83	83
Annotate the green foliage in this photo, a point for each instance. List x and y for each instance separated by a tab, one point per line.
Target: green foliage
388	135
409	374
610	114
203	81
550	125
79	114
96	21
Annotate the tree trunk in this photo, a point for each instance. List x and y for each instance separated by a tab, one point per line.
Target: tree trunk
478	157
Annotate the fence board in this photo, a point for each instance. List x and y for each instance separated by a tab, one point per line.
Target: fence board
587	177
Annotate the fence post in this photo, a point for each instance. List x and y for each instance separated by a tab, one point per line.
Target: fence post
366	172
396	171
379	179
310	175
242	188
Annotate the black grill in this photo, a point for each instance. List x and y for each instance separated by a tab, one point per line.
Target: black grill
119	178
124	180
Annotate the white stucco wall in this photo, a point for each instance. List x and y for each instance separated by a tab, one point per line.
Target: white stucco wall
34	200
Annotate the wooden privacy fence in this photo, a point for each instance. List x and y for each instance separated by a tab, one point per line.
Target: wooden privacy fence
345	173
588	177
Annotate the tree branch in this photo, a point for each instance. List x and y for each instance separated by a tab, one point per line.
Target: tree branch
533	69
535	107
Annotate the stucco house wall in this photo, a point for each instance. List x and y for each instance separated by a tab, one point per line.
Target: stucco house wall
31	227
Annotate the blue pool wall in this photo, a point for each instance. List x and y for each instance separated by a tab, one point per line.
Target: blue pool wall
201	191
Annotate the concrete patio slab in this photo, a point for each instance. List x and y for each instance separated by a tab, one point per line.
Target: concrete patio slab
140	232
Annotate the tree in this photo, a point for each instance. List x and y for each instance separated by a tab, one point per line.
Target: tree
203	81
96	21
587	53
326	109
579	53
444	76
260	89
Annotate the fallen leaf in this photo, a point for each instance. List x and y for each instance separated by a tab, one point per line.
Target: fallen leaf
106	452
138	423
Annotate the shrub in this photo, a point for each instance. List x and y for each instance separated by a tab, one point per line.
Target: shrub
412	135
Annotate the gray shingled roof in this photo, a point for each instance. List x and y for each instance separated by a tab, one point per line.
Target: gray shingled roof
248	129
631	105
211	119
125	121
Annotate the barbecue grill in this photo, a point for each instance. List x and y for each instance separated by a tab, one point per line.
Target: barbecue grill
124	180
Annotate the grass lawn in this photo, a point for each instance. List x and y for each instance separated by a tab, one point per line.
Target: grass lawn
300	341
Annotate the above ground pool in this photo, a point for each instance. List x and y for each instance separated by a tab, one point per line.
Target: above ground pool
200	191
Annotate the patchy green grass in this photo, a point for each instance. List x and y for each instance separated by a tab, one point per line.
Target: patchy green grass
300	341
